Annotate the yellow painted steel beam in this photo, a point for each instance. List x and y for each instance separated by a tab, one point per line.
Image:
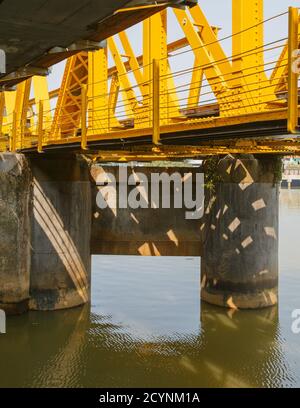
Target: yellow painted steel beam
155	47
279	76
215	72
66	119
196	83
41	94
208	35
112	71
83	121
137	96
2	105
293	70
112	103
13	139
156	104
248	55
128	94
19	125
133	64
98	110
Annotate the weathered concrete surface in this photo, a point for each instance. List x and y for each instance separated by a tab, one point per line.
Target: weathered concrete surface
15	182
239	267
60	236
143	231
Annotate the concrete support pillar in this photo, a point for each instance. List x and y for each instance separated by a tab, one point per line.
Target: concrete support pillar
143	231
60	236
239	267
15	184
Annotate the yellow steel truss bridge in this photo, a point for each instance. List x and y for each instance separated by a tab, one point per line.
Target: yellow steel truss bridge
191	96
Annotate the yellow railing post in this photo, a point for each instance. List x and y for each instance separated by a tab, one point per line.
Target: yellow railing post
155	102
83	117
2	104
13	140
40	127
293	75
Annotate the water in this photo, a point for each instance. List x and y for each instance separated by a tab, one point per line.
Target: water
147	327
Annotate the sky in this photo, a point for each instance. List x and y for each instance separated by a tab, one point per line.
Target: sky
218	13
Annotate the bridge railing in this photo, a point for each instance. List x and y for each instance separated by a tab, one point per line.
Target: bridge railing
199	81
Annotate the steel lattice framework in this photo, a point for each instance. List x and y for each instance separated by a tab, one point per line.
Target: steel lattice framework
112	99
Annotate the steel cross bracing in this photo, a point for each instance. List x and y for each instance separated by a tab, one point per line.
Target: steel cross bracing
188	91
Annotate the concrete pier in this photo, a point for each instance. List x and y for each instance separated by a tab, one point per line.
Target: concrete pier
60	232
15	186
239	267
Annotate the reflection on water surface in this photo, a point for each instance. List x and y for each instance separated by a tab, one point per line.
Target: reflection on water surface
147	327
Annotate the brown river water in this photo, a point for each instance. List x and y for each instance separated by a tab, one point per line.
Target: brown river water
147	327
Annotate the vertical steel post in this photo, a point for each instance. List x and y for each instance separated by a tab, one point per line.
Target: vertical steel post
293	75
2	104
40	126
155	47
41	93
155	102
83	117
97	91
13	141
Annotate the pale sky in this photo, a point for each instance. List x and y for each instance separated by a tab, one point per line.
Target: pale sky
218	13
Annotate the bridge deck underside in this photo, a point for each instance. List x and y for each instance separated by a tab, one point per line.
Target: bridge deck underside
36	34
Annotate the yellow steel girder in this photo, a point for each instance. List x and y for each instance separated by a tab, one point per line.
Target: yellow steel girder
114	93
193	152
